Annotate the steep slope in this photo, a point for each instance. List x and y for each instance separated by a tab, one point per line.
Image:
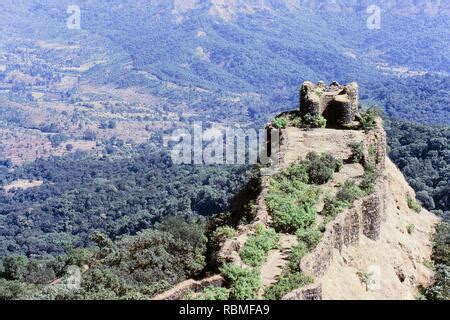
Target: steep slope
377	248
397	260
388	265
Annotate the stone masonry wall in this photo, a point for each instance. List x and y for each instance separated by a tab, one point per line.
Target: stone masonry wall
336	103
179	292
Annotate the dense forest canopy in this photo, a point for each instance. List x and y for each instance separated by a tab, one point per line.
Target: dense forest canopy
82	194
423	155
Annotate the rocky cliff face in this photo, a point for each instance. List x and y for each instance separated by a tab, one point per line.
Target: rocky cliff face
377	249
395	263
369	251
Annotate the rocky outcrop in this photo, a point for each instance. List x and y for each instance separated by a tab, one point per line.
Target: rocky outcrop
312	292
394	265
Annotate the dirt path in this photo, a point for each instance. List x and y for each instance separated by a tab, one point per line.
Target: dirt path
276	260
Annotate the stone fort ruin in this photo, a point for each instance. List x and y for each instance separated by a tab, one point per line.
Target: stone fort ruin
336	103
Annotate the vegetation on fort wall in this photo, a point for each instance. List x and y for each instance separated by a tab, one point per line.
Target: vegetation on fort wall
292	195
280	122
309	237
357	155
210	294
371	174
244	283
369	117
311	121
254	252
292	204
287	283
344	199
295	120
350	191
320	168
221	234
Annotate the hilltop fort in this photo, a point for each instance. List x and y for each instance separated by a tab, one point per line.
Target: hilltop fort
333	220
338	104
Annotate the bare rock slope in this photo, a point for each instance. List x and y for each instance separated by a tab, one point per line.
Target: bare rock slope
395	263
388	262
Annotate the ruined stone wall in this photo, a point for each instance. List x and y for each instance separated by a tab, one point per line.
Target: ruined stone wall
312	292
179	292
364	218
336	103
375	146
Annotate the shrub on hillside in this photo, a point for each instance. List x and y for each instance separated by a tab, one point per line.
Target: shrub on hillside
212	293
349	192
413	204
320	168
357	155
369	117
286	284
310	237
344	199
371	174
254	252
410	228
292	204
440	289
314	121
244	282
441	244
10	290
296	172
221	234
297	253
280	122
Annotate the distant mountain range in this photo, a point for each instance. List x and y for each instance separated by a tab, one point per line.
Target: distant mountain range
248	57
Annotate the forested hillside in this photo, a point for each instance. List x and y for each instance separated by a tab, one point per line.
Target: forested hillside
81	195
248	59
423	155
